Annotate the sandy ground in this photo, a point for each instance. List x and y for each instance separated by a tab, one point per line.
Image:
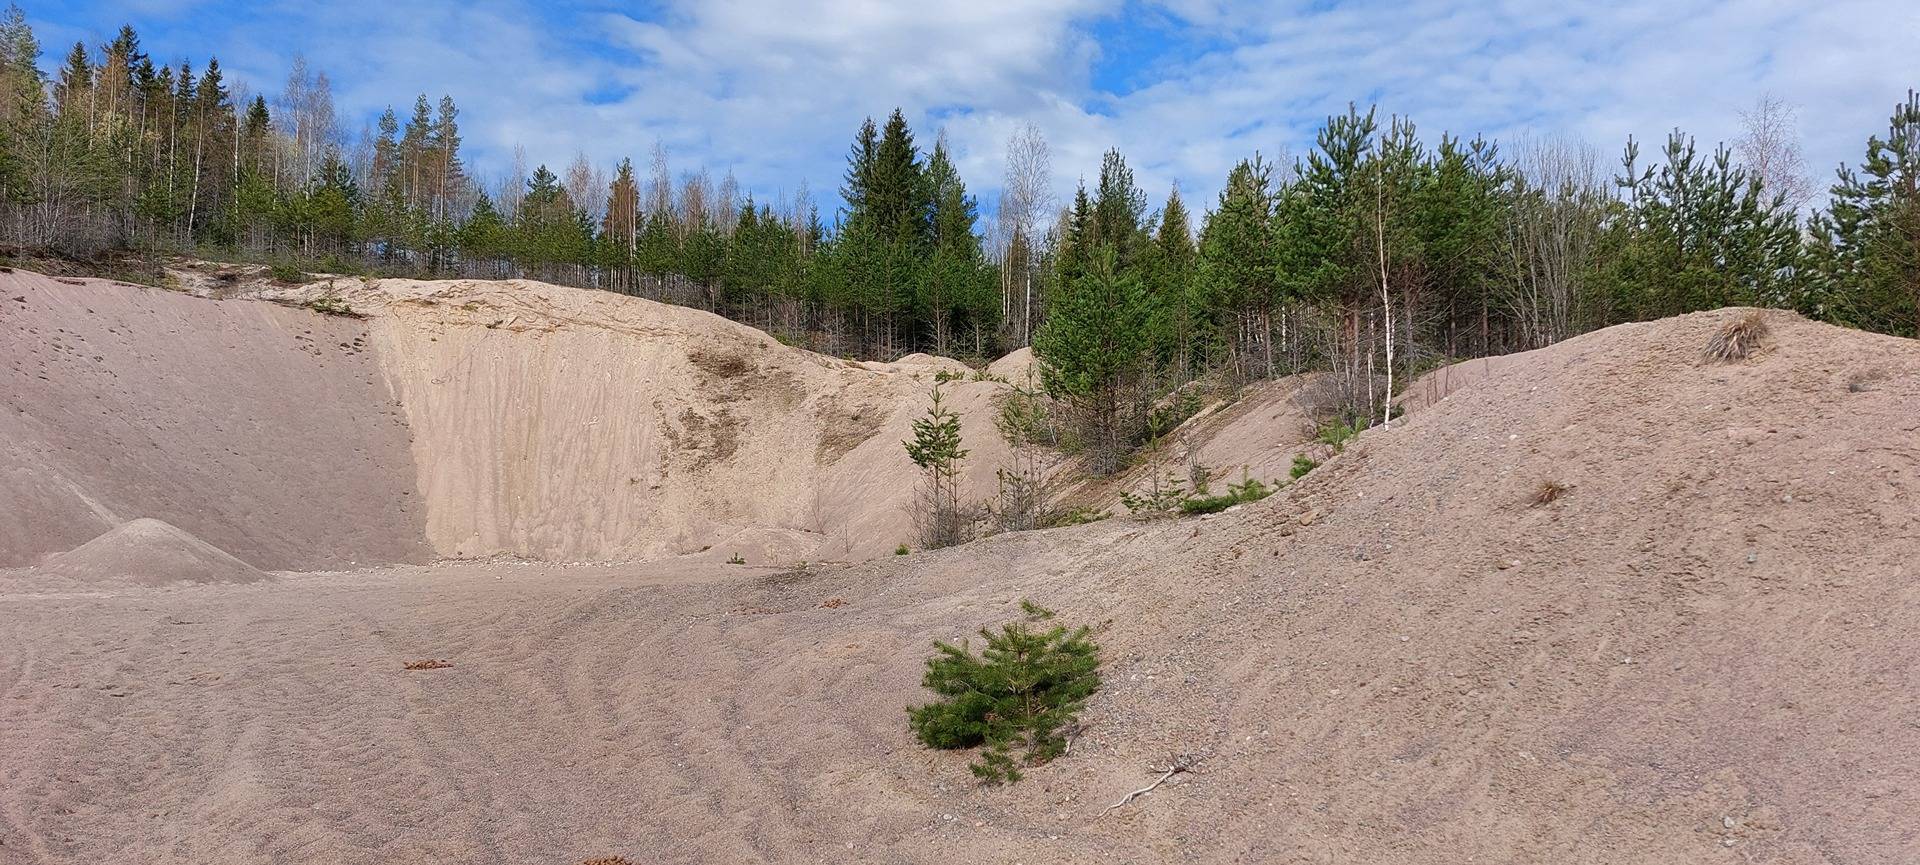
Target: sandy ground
1701	651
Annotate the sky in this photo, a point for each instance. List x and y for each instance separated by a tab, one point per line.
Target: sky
773	90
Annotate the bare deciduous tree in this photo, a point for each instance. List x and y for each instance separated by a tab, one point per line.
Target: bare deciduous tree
1552	229
1769	147
1026	198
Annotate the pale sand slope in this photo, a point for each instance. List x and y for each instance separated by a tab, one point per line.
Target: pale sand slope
460	419
1397	659
562	424
268	432
1253	436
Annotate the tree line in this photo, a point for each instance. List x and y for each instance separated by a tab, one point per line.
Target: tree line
1375	255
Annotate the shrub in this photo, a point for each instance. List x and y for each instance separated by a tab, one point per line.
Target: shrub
1337	434
1177	410
942	376
1303	464
286	272
1025	686
1075	517
1738	339
328	304
901	550
1163	494
1247	490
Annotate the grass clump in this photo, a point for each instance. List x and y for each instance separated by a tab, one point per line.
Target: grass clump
1025	686
1549	492
1738	339
901	550
1301	465
737	559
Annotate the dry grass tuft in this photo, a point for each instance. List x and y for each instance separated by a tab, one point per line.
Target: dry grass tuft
608	860
428	664
1738	339
1549	492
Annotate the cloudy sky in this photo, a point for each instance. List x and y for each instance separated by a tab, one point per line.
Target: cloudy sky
774	90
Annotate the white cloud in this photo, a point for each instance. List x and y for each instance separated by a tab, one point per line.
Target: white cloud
774	90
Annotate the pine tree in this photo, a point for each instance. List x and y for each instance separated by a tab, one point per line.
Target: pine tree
937	449
1698	234
1095	352
956	285
1028	684
449	175
1238	266
1866	250
1170	269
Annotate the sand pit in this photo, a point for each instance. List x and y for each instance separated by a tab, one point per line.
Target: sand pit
149	552
1700	652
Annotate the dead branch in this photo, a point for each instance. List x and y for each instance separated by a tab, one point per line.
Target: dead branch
1180	763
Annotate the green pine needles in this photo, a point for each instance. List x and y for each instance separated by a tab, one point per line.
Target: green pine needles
1019	693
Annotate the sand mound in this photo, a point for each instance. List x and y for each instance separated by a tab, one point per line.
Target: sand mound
1018	366
151	553
1701	652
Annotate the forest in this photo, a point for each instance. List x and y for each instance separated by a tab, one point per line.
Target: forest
1377	254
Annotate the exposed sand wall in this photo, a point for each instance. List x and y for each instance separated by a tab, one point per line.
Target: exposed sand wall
267	431
561	424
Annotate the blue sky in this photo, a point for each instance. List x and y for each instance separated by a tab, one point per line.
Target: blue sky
774	90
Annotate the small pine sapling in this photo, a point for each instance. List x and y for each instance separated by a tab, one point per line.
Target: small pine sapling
936	448
1025	686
